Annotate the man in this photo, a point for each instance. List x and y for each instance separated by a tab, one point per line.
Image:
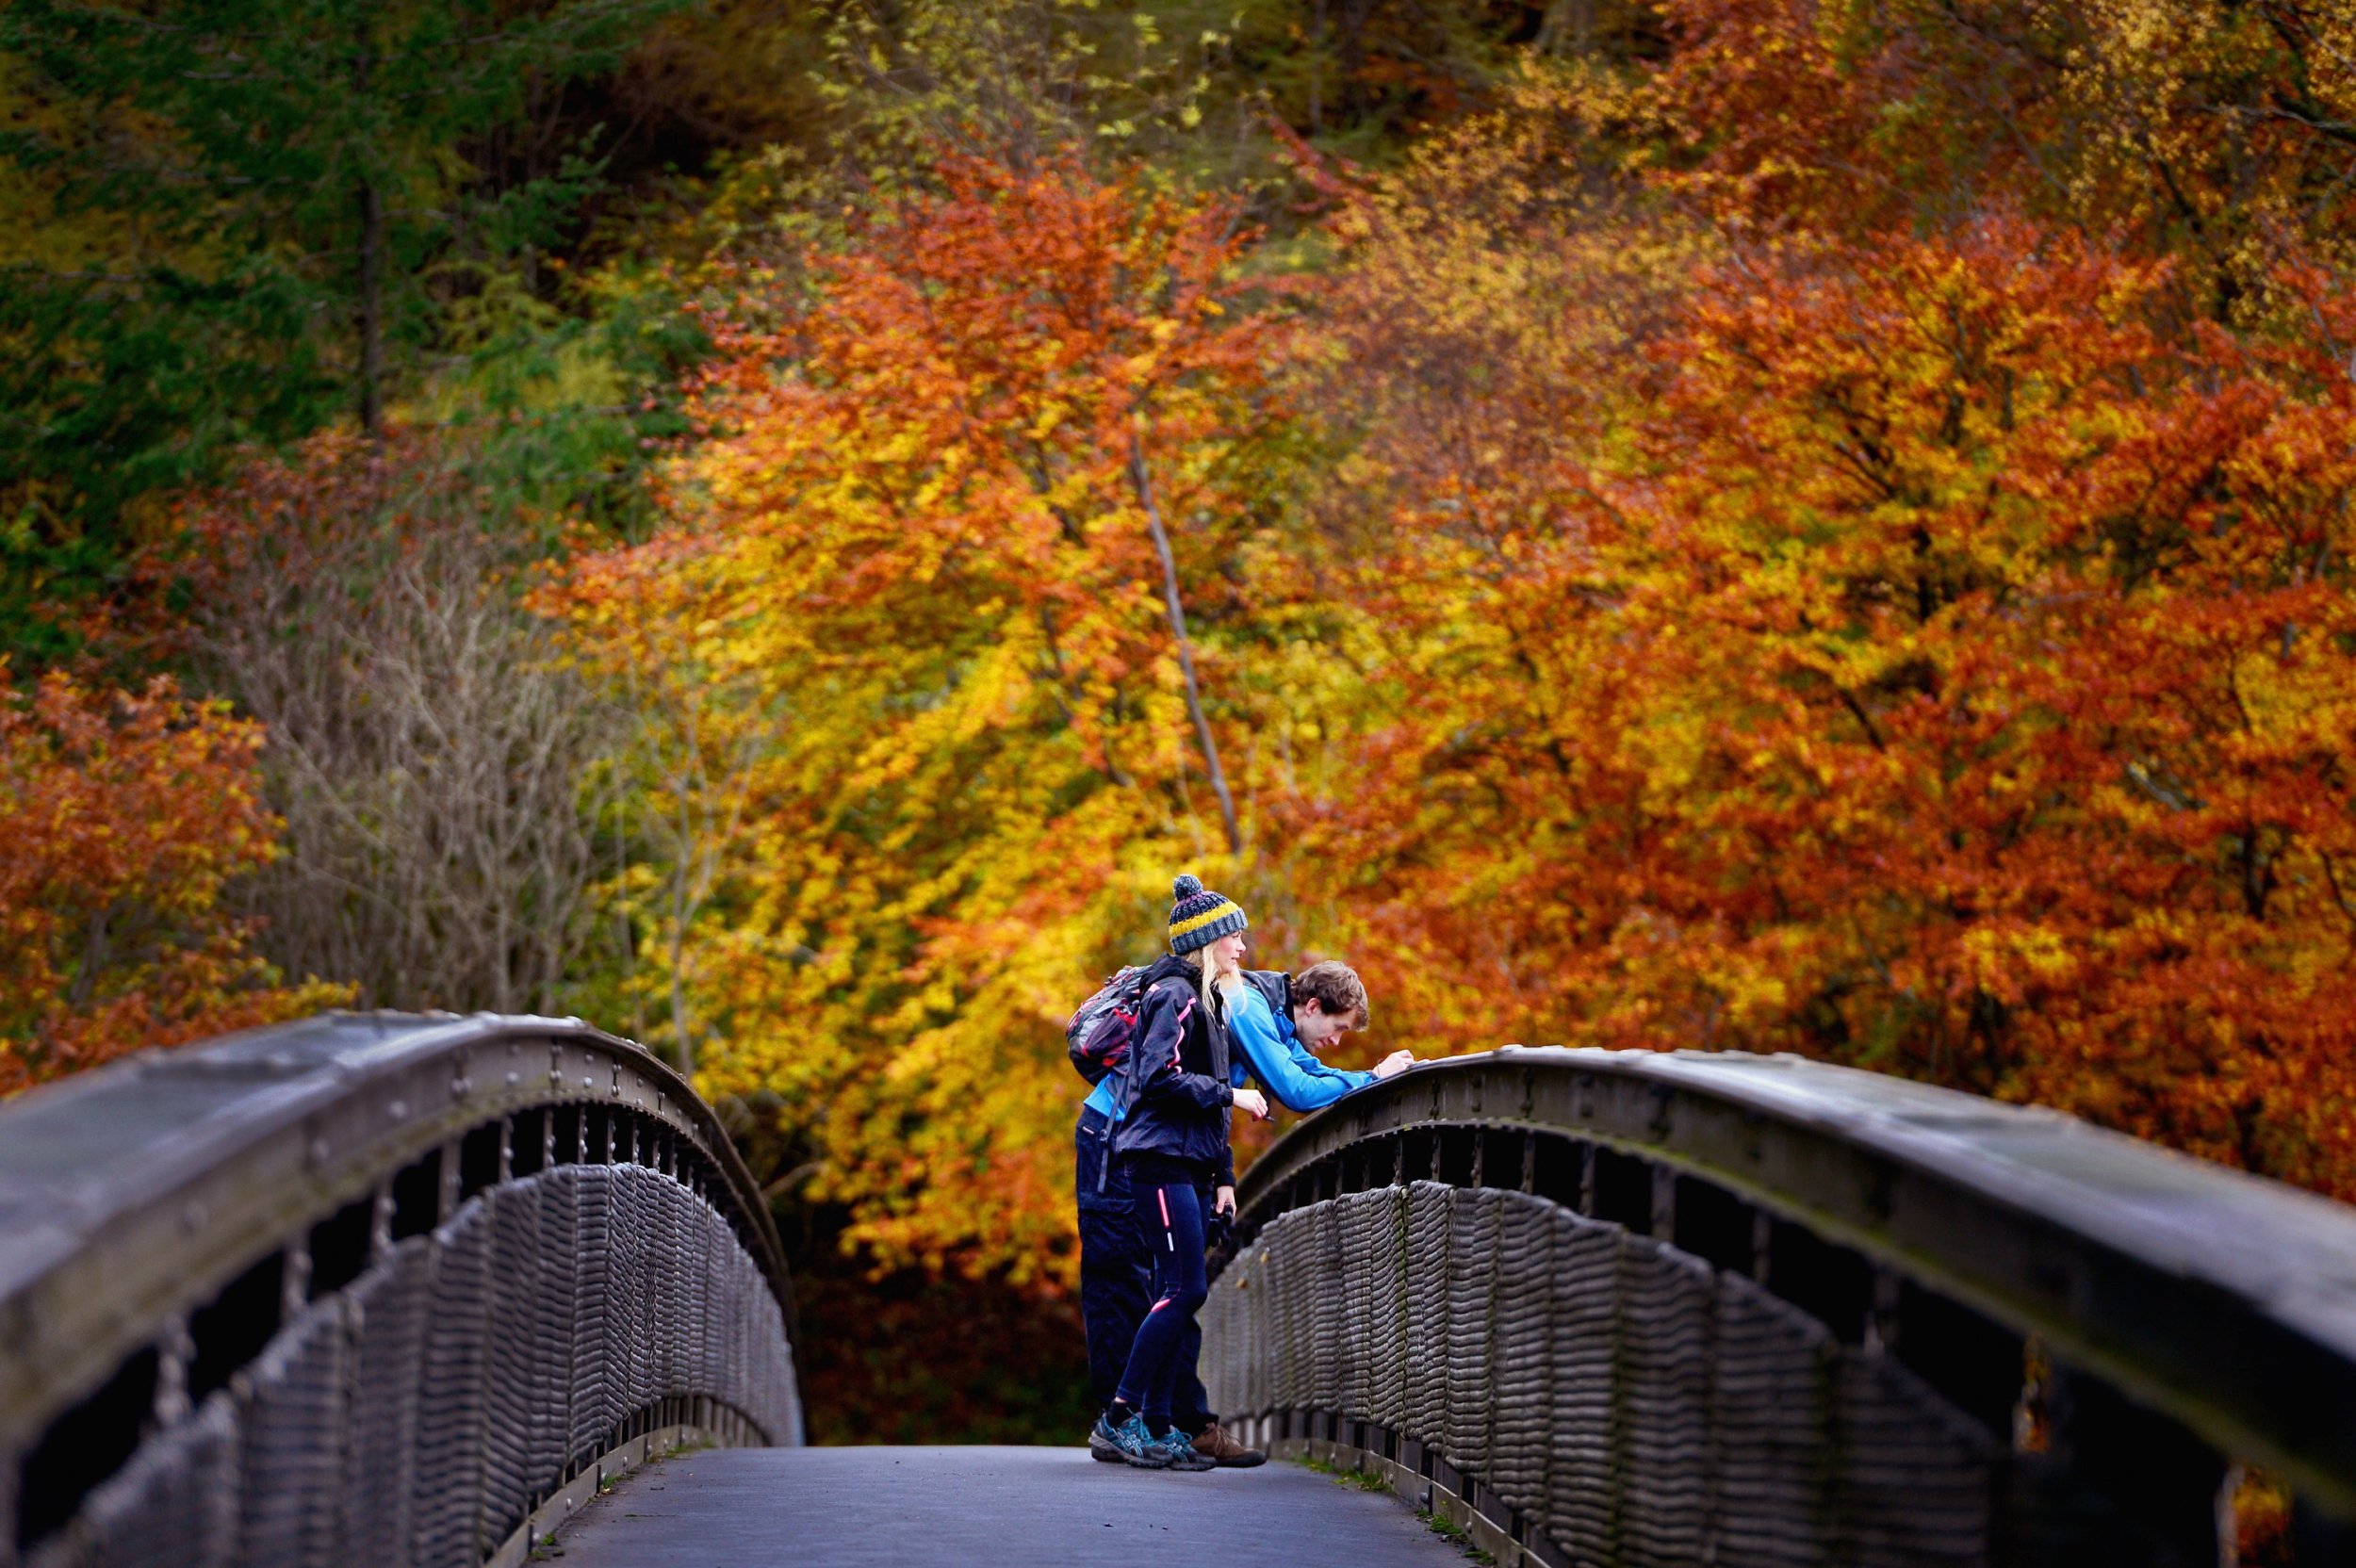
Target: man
1277	1023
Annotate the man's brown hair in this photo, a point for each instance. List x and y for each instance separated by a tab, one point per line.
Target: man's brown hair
1336	989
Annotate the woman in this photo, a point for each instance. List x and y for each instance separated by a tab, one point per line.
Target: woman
1172	1147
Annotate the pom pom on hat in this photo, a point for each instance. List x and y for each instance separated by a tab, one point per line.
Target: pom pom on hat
1200	917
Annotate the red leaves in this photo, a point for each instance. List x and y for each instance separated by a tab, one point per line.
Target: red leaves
1970	699
123	815
905	652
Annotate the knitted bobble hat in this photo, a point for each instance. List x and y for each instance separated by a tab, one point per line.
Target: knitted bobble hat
1201	917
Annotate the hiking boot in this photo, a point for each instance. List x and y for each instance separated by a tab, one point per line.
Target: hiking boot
1129	1443
1179	1451
1224	1451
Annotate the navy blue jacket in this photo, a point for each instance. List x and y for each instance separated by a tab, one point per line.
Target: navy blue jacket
1176	1093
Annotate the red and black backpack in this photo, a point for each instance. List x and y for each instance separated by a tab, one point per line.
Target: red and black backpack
1100	1033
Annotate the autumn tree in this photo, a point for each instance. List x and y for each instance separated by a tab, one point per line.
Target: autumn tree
1921	652
2213	133
444	780
2007	648
125	816
1481	361
919	549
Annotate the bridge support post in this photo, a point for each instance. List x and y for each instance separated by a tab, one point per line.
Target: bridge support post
381	1222
446	1177
175	1346
294	1278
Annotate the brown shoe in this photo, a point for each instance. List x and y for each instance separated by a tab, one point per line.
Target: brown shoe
1216	1446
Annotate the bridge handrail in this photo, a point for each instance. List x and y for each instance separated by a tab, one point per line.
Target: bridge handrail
2223	1300
134	1192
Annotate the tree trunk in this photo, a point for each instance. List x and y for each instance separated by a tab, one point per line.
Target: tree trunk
372	275
1138	477
371	312
1317	72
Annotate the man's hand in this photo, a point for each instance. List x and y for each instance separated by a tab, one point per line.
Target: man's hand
1225	1202
1252	1101
1395	1064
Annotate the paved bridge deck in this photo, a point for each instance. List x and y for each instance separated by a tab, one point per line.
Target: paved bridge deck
933	1508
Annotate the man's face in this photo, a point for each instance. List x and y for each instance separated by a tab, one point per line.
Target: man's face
1317	1027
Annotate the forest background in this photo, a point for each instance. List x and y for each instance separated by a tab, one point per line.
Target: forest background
1811	525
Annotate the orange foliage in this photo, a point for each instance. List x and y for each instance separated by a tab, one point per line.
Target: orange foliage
914	592
1834	540
1903	651
1929	652
123	815
2024	655
2208	130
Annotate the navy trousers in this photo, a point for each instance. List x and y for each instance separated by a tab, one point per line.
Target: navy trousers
1115	1276
1173	1202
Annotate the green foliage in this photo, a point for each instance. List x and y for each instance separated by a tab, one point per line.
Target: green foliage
245	218
1364	1480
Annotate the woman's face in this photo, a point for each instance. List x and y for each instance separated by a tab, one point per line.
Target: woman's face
1226	953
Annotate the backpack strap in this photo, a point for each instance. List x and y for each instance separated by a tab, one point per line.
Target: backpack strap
1276	987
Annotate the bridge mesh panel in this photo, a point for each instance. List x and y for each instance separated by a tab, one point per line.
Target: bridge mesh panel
517	1456
555	1199
1322	1283
693	1359
1237	1346
1581	1497
1667	1345
712	1323
390	1302
635	1221
419	1414
1639	1407
1359	1223
1428	1228
671	1290
1288	1339
448	1485
175	1504
785	1394
733	1361
1267	1325
595	1405
1472	1277
1522	1352
1771	1429
1916	1478
293	1425
1385	1304
1219	1344
1234	1336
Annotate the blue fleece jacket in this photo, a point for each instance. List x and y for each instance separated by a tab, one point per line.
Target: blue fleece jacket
1266	1043
1269	1049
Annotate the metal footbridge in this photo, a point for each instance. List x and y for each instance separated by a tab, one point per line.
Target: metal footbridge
393	1290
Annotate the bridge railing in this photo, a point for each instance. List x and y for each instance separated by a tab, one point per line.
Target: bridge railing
1639	1308
368	1289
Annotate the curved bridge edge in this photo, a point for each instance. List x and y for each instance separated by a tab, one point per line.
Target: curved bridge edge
2224	1301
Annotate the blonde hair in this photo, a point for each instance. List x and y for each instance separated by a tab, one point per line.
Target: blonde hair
1213	986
